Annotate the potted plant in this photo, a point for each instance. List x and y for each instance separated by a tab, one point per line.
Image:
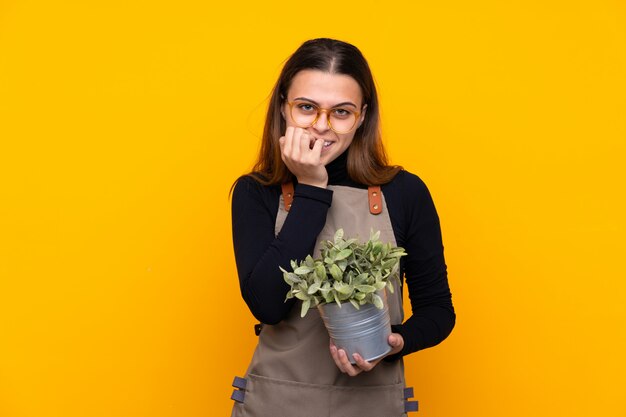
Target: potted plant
348	285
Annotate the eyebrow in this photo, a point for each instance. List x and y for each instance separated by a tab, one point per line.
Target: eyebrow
345	103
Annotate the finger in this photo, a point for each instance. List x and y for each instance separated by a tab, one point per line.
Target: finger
281	143
305	140
317	149
363	364
295	144
312	140
304	143
289	131
335	356
345	363
311	150
286	149
396	341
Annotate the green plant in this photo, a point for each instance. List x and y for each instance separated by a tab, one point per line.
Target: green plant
347	271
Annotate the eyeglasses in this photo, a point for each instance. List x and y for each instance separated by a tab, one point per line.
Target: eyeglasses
340	119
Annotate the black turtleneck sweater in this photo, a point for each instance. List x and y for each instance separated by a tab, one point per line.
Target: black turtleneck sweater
258	252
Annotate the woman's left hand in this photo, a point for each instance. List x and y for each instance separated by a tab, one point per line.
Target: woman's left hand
343	363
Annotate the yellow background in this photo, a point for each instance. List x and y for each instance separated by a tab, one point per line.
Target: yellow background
123	125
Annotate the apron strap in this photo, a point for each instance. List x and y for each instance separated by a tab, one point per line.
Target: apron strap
374	197
287	194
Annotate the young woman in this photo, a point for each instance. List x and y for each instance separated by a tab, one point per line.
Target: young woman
322	136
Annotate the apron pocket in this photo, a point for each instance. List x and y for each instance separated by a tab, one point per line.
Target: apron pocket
270	397
369	401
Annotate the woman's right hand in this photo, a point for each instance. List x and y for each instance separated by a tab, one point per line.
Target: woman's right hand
303	160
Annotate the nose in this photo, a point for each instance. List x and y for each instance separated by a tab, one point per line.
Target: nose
321	125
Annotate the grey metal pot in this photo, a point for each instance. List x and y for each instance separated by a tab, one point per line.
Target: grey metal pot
364	331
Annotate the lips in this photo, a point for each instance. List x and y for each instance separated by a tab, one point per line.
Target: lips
327	143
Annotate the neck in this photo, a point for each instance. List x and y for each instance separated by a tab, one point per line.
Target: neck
338	169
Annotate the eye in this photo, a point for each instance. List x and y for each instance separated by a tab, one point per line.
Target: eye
341	113
306	108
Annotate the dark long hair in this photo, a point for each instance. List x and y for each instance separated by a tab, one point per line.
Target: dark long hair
367	160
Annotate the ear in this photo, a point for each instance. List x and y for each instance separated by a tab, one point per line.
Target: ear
362	116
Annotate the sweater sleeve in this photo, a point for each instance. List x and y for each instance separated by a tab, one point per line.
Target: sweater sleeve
259	253
433	316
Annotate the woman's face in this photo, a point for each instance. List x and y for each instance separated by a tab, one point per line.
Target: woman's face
326	91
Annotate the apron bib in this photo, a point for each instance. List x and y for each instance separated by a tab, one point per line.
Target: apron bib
292	373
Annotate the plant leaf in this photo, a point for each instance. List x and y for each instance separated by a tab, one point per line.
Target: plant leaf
343	254
305	307
366	288
388	264
378	302
302	270
291	278
343	288
336	272
320	271
336	297
301	295
313	288
379	285
343	264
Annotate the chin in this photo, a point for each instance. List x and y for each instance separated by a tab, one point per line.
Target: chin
327	159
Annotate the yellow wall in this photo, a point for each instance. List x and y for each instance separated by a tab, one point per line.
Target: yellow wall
123	124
